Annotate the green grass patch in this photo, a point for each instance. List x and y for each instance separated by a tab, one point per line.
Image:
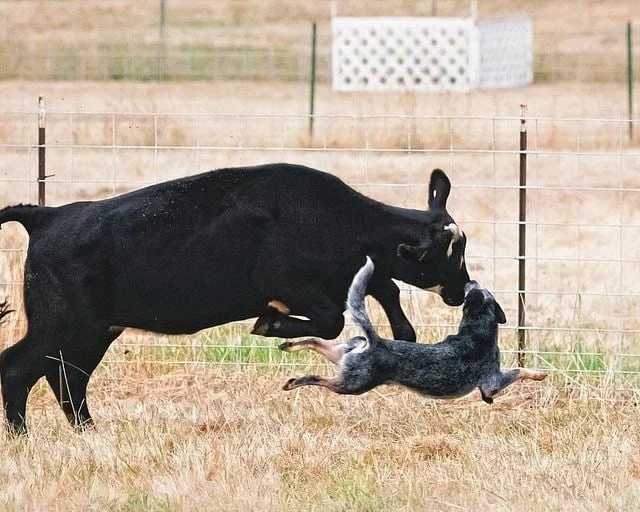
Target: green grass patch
221	345
234	345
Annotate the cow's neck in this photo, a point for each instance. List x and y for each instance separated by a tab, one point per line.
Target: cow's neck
390	226
402	225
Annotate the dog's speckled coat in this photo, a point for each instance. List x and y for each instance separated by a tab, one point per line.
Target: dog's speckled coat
449	369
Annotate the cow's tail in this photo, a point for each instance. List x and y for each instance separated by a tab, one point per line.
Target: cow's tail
26	214
356	304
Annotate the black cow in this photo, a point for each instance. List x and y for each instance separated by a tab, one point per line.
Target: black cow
269	242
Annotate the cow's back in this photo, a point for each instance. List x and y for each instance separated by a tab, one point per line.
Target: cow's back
188	253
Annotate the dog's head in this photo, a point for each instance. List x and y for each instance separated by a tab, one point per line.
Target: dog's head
480	303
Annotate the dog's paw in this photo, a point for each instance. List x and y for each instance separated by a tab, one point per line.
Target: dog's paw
487	400
289	384
526	373
286	346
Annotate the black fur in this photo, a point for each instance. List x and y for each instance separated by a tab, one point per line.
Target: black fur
449	369
209	249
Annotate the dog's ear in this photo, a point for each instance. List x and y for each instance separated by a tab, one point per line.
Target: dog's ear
411	253
500	316
439	188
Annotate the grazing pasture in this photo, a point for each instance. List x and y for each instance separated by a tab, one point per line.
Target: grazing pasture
200	422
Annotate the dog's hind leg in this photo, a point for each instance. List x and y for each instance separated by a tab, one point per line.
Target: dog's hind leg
334	385
69	373
343	385
495	385
329	350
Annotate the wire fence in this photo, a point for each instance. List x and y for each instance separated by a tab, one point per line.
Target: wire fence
274	62
582	219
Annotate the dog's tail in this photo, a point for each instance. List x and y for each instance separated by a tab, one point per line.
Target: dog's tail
26	214
356	304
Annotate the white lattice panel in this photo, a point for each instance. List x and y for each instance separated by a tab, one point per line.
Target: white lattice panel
506	52
436	54
439	54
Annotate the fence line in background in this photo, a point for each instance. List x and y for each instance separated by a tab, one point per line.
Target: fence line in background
278	64
457	149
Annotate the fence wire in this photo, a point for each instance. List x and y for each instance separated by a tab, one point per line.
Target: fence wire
583	215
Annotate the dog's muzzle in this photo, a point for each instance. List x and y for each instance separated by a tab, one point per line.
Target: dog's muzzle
473	285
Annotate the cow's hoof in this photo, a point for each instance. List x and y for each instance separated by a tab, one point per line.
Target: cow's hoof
262	326
267	325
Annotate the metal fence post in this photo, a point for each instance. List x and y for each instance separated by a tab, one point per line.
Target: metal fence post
522	238
630	77
162	45
312	78
41	151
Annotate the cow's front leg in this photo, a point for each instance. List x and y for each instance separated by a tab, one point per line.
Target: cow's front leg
387	293
325	320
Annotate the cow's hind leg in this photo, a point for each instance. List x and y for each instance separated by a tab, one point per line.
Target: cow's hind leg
21	365
70	370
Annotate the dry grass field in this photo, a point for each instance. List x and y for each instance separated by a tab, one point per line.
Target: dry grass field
200	422
212	439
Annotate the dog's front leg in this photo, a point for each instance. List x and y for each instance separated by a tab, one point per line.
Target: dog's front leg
486	397
495	385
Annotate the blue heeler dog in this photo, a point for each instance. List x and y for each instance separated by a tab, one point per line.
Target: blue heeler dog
449	369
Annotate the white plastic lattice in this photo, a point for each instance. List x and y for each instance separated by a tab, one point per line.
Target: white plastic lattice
404	53
437	54
506	52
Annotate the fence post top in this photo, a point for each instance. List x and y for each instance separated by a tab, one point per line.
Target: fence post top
41	111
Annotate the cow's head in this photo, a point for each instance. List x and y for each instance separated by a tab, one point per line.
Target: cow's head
435	260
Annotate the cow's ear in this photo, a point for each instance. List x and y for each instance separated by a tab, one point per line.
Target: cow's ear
412	253
439	188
